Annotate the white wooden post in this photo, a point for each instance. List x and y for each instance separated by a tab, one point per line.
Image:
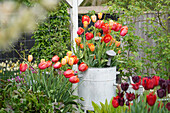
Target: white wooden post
74	27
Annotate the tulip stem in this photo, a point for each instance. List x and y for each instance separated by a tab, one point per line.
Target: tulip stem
45	83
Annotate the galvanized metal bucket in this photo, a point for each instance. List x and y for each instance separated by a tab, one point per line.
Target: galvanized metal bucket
96	84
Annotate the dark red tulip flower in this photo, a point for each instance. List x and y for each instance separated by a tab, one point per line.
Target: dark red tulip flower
55	58
168	82
23	67
57	65
69	73
156	80
105	28
115	102
99	24
107	38
161	93
135	86
74	79
121	101
127	103
89	36
86	18
83	67
130	96
163	83
124	86
42	65
80	31
118	27
135	79
168	106
151	99
49	63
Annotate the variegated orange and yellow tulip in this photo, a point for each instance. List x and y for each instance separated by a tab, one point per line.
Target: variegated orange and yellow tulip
69	53
93	18
30	58
100	15
63	61
78	40
71	61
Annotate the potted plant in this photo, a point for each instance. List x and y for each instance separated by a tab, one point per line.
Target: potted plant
96	48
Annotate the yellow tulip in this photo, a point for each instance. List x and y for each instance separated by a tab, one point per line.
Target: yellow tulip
30	58
42	60
100	15
63	61
93	18
69	53
71	61
85	24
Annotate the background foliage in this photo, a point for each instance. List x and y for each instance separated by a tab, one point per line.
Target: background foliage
155	57
53	35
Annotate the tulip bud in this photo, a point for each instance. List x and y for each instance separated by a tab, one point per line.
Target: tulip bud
55	58
71	61
93	18
151	99
117	44
42	65
161	93
111	22
57	65
100	15
124	86
69	53
119	51
67	58
135	79
81	46
78	40
85	24
49	63
42	60
115	102
23	67
30	58
63	61
74	79
92	48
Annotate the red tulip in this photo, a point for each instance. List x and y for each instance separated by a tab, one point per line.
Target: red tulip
130	96
49	63
89	36
83	67
42	65
69	73
124	27
80	31
148	83
86	18
118	27
99	24
115	102
105	28
156	80
23	67
74	79
123	32
55	58
114	26
76	60
107	38
151	99
135	86
57	65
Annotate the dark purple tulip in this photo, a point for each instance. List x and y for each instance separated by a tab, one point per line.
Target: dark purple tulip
124	86
168	86
135	79
161	80
130	96
161	93
164	85
121	101
127	103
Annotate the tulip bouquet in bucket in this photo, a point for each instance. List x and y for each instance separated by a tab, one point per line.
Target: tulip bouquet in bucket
98	45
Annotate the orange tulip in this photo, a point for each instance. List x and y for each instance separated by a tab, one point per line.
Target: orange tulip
94	56
92	47
119	51
42	60
98	34
71	61
81	46
117	44
100	15
93	18
63	61
85	24
67	58
69	53
78	40
30	58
